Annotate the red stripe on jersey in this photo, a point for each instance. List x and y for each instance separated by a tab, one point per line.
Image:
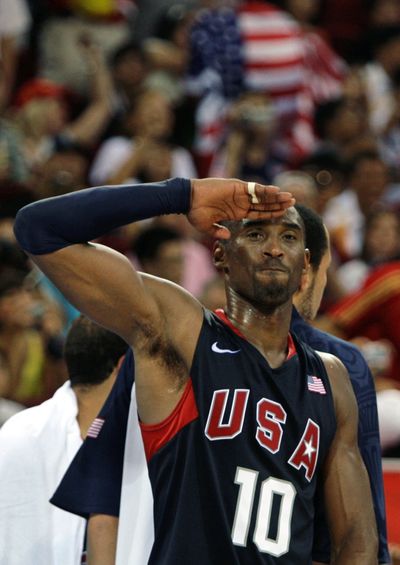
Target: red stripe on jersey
222	316
291	347
155	436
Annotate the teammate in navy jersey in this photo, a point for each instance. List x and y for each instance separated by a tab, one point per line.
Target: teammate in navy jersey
238	419
306	304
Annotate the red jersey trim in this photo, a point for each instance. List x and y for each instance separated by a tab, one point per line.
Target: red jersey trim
291	347
155	436
224	318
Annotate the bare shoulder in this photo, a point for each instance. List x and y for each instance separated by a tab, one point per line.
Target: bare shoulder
176	304
180	316
165	290
164	348
337	372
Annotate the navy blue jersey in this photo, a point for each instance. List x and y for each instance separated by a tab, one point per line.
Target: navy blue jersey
92	483
234	468
368	428
107	452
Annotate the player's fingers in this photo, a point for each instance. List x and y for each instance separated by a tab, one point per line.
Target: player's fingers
274	211
272	206
277	213
258	193
284	196
266	197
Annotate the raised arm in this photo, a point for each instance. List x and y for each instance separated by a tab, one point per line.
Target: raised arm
158	318
347	490
86	129
102	283
97	280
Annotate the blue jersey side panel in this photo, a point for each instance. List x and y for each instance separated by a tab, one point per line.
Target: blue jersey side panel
368	429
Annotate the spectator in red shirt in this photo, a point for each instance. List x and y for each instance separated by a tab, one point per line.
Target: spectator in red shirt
373	312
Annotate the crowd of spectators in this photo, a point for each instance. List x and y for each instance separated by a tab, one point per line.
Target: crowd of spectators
305	94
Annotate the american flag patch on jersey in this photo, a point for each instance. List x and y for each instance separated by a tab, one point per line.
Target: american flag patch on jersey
95	427
315	384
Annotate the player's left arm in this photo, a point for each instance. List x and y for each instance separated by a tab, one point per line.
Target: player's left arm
347	492
102	539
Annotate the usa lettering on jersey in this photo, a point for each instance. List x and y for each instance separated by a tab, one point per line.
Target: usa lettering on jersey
271	418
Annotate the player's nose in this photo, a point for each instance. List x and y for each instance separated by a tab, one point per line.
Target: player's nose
272	247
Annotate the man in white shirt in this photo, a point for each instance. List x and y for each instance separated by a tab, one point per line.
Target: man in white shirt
37	445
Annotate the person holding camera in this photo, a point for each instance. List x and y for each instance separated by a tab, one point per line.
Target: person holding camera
249	150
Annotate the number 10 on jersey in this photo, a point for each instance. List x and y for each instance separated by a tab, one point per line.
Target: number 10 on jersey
271	487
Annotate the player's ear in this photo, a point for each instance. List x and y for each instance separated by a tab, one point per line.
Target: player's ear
306	273
219	256
306	259
120	361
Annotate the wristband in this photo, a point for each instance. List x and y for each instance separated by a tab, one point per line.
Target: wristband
51	224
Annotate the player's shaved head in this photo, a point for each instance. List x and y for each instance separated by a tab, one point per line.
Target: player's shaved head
291	217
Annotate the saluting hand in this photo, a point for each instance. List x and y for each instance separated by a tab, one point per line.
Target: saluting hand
215	200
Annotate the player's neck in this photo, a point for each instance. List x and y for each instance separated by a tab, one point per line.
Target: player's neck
90	400
268	331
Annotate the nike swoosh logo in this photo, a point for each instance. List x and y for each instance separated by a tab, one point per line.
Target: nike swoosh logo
216	349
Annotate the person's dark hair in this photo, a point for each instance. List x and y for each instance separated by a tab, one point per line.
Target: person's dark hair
396	80
11	280
328	159
131	47
324	166
325	113
316	239
147	244
91	352
380	36
169	20
369	222
12	257
366	155
13	200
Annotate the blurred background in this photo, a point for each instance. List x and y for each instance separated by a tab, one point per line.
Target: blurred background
97	92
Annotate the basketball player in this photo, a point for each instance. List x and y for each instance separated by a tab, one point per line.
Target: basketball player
238	418
107	451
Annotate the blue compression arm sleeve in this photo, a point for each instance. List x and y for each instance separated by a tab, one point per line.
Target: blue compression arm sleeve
51	224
